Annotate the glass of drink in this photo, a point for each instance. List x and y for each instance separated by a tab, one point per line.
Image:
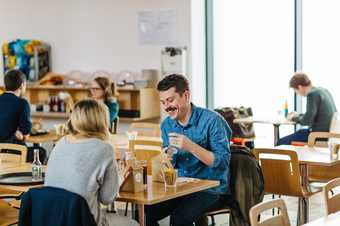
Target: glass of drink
170	176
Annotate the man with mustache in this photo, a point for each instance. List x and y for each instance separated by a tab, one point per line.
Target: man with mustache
197	141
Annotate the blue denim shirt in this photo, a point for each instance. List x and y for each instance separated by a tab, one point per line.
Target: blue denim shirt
209	130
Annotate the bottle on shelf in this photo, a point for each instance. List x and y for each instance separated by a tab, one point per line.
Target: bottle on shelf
36	167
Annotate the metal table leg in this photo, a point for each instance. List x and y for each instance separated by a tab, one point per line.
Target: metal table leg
276	133
304	213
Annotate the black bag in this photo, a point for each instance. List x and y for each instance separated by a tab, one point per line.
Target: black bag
242	130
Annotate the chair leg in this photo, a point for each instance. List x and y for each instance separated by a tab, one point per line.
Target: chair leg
303	211
298	213
213	221
273	210
126	208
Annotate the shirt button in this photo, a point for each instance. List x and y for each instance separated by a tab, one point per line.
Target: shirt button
187	159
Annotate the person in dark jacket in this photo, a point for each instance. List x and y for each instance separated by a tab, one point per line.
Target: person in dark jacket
15	116
319	113
54	206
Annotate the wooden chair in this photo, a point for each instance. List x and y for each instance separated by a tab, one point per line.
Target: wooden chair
332	201
18	156
19	153
281	173
322	174
214	213
281	219
146	129
8	214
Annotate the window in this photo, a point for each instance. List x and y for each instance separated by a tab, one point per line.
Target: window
321	44
254	58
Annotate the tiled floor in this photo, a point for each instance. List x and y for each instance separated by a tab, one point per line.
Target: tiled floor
317	210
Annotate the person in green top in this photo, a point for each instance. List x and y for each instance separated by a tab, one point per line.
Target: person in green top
103	89
319	112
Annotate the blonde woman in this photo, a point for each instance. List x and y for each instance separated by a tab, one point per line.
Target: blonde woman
103	89
84	163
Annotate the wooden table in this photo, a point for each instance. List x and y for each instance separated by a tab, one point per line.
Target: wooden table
310	156
38	139
330	220
276	123
156	193
15	168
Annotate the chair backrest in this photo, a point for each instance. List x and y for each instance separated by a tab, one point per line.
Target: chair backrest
146	129
332	200
146	150
13	152
54	206
312	138
281	219
280	170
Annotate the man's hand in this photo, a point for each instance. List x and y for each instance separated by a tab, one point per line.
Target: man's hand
291	115
170	151
180	141
19	135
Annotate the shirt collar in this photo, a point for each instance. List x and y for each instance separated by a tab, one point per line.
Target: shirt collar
193	118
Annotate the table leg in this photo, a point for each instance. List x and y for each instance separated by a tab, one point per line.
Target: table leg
276	133
141	215
305	201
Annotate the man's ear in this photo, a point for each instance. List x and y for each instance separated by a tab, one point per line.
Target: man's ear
187	95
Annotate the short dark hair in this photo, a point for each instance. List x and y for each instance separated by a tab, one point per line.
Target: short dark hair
13	79
178	81
299	79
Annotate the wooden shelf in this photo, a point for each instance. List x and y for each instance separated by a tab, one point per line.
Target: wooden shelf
145	100
58	87
56	115
70	88
63	115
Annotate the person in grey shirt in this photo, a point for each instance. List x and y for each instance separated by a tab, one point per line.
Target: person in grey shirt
83	162
319	112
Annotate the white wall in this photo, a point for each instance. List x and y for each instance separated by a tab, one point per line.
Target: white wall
90	35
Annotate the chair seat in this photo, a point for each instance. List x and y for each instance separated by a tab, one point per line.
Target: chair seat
8	214
223	210
311	191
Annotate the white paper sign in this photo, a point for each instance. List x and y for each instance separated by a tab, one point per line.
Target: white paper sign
157	27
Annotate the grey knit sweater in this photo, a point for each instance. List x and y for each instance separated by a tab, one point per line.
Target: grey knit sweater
87	168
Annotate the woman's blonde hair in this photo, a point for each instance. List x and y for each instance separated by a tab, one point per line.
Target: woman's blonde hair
109	88
89	118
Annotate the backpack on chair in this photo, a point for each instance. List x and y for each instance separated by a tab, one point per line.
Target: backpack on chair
246	183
